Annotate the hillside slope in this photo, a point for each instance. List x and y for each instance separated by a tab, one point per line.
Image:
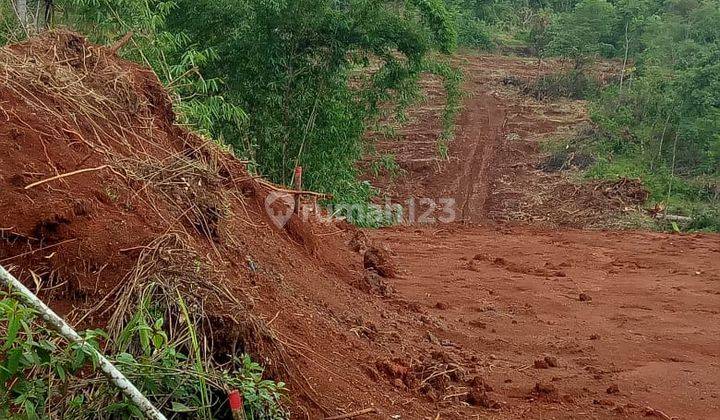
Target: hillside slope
101	194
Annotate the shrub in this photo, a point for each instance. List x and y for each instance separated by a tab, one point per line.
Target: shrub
474	33
573	84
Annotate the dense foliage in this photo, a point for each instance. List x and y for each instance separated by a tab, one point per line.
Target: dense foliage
311	74
663	124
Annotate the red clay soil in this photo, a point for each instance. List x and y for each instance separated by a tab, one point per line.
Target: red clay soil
630	321
456	333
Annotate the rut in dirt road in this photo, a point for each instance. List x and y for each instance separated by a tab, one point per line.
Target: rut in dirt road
482	123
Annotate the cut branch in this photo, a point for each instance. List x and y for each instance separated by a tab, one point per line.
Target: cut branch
353	414
114	48
300	192
65	175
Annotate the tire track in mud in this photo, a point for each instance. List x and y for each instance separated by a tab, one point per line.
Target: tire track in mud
468	173
482	126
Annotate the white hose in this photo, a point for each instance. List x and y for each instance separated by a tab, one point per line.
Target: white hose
58	324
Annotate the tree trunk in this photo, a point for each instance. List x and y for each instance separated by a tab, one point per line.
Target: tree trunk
21	11
662	140
48	13
627	47
672	170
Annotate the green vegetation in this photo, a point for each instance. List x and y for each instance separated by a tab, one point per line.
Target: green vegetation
661	122
312	75
452	80
385	164
44	376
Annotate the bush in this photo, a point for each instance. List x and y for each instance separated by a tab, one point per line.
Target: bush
474	33
706	219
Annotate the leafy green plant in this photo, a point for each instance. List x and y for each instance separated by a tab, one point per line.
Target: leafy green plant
43	376
385	164
260	395
29	356
474	33
452	83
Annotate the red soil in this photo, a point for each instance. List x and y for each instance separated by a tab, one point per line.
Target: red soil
649	322
561	324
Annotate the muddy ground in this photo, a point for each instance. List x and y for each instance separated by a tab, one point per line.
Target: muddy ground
561	322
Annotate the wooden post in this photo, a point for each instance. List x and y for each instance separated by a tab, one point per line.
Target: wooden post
298	187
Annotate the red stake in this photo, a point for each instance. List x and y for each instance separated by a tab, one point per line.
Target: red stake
236	405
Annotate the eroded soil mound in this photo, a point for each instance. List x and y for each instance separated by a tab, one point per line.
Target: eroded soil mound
102	193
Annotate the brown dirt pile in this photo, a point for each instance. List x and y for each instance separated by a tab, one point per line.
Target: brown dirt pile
101	193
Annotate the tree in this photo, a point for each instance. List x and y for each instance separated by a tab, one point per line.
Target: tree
582	33
311	73
22	11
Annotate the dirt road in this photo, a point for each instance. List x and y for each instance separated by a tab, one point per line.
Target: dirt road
563	323
648	321
493	169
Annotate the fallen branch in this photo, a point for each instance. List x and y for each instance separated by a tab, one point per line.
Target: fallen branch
37	250
300	192
353	414
56	177
674	218
649	411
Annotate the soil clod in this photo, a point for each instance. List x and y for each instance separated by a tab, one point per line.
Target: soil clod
379	260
